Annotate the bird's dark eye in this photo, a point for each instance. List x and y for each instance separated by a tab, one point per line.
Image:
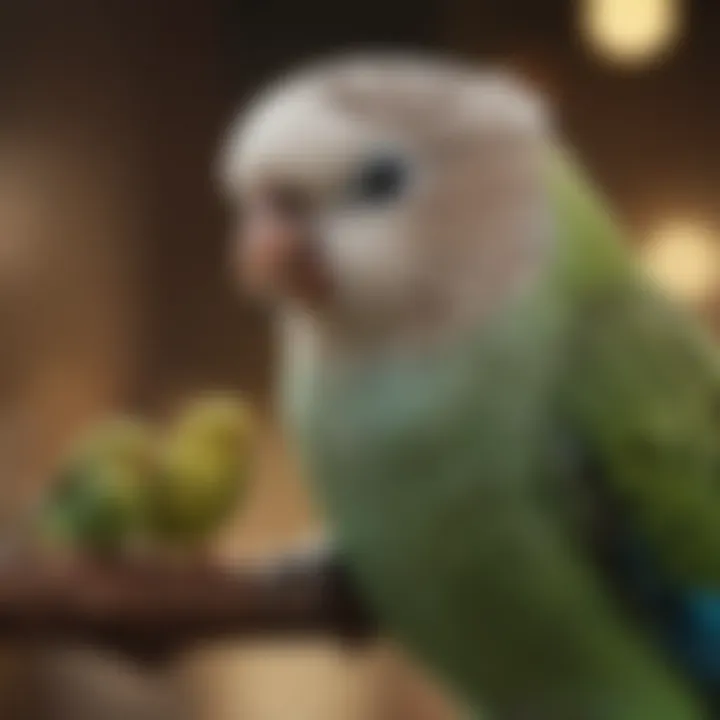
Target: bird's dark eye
381	179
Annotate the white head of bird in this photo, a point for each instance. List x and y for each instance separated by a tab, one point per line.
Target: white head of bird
388	199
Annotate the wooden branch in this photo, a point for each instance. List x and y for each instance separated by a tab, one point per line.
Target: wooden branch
149	610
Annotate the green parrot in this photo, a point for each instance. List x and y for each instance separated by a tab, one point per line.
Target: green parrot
204	471
513	433
96	502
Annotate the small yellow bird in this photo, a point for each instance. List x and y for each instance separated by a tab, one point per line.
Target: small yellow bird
205	465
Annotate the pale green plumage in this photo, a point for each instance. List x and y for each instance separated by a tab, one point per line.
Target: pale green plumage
96	502
438	475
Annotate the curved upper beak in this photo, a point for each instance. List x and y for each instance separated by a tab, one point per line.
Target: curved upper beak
277	255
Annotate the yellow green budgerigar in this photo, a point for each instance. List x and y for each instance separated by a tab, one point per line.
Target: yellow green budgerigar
203	471
127	484
514	434
97	498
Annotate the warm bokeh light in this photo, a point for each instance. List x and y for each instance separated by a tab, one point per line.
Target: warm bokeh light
631	32
684	257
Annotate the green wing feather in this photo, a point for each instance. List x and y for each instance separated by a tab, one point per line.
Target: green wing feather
643	383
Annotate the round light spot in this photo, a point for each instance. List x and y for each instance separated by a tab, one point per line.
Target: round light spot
684	258
631	32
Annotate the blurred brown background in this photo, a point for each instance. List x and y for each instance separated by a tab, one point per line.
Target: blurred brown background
114	291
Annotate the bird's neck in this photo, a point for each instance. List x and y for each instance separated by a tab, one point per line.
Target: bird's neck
316	370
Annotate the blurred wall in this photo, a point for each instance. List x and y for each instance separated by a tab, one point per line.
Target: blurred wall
114	295
76	194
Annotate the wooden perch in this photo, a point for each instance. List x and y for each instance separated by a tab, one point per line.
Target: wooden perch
149	610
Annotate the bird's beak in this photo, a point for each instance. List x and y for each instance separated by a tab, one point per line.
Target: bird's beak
277	256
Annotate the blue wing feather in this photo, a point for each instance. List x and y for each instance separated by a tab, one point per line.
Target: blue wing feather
684	620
